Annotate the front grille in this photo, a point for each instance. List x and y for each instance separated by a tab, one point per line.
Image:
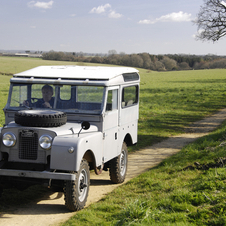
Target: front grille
28	145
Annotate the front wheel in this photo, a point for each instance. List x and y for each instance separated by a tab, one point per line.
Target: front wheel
76	192
118	166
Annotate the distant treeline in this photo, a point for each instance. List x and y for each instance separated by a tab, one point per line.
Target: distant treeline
144	60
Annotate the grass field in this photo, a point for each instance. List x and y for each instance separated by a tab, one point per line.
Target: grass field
167	194
169	101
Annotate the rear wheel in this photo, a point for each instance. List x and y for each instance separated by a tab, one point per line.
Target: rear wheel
76	192
118	166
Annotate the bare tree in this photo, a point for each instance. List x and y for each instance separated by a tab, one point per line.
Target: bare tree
112	52
211	20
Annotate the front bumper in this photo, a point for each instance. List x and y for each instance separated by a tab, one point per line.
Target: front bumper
37	174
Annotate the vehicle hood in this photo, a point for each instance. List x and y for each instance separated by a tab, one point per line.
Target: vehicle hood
67	129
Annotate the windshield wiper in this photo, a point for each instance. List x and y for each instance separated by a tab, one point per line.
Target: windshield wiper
29	108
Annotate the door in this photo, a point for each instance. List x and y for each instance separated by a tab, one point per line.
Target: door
110	125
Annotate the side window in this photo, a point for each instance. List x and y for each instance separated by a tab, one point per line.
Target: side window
65	92
112	101
129	96
19	94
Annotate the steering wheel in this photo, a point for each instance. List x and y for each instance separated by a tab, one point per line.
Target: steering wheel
28	103
33	100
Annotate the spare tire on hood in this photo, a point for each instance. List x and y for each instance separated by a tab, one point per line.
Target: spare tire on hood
40	118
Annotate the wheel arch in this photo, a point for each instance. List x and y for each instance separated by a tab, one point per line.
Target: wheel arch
90	158
128	140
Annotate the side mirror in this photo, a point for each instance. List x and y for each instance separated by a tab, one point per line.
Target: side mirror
85	125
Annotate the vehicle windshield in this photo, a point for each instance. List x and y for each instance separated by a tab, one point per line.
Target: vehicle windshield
68	98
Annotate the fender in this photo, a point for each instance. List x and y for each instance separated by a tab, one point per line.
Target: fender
128	129
67	151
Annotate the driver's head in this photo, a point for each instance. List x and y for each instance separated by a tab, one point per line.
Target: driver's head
47	93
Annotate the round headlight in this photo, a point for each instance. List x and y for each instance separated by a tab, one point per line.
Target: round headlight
9	139
45	141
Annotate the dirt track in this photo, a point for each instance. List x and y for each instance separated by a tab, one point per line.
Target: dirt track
51	210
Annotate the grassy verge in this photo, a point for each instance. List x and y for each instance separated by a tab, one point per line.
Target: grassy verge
188	188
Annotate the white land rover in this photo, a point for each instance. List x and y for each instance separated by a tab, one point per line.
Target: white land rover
86	123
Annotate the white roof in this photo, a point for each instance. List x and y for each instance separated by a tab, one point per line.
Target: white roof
78	72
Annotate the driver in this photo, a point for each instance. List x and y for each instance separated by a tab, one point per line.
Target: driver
47	100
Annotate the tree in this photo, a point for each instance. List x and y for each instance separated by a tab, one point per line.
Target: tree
136	61
146	60
114	59
219	63
52	55
112	52
96	59
211	20
169	64
184	66
159	66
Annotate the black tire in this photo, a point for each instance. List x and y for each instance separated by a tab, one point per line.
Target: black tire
1	191
118	166
40	118
76	192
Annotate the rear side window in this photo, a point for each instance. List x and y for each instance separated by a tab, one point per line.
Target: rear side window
128	77
129	96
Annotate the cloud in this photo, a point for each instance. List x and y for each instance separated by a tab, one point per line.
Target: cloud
172	17
146	22
100	9
106	9
42	5
115	15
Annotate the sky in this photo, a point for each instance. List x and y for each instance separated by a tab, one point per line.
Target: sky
99	26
